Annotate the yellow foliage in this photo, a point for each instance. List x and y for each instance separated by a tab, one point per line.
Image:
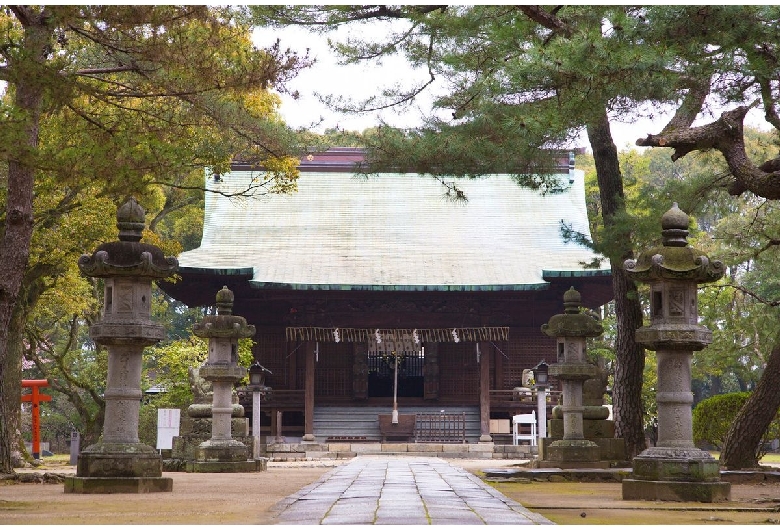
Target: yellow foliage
284	172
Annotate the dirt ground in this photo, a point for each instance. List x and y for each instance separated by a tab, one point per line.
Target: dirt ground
248	498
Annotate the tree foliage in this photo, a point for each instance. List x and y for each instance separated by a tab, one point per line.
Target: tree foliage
107	101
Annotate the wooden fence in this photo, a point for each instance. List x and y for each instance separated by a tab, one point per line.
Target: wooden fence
442	428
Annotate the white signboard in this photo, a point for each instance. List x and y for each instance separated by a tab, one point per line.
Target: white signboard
167	427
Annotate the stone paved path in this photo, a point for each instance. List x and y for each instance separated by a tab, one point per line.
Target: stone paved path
401	490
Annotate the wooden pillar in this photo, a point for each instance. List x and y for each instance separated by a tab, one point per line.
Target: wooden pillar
308	413
484	391
273	425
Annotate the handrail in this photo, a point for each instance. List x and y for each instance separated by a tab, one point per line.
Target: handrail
509	397
278	398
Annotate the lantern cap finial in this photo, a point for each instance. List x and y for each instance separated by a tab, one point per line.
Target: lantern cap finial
130	219
674	227
225	300
571	301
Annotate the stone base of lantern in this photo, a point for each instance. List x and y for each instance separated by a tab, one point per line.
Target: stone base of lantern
573	454
612	450
245	466
118	484
676	474
223	456
668	490
119	468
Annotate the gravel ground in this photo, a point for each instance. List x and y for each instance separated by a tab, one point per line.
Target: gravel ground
248	498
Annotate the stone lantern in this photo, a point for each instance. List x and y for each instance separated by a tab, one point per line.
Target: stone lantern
571	329
221	453
119	463
675	469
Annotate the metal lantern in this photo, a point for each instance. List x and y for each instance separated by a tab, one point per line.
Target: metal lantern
540	374
257	375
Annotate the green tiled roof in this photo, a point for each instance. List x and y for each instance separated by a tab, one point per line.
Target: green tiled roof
393	232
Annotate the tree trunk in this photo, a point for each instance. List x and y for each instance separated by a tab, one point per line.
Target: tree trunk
742	443
630	358
13	385
15	243
14	253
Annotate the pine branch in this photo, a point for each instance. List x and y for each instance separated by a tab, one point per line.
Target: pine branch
727	136
753	295
691	106
547	20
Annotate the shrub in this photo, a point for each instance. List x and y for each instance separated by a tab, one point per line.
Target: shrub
713	417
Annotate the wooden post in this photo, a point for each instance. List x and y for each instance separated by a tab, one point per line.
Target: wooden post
273	430
484	391
308	413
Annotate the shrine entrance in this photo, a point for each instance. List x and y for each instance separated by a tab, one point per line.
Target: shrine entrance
382	367
381	373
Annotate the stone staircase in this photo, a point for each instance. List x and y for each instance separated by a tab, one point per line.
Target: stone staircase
350	423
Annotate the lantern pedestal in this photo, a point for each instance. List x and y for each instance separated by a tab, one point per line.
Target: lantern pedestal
118	468
574	454
223	456
574	451
669	474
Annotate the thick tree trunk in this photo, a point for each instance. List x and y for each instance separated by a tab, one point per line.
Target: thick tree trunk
15	242
14	253
630	358
13	385
741	445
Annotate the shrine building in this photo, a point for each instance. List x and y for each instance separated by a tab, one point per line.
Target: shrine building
350	273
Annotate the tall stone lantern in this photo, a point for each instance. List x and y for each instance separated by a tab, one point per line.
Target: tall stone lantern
119	463
571	329
221	453
675	469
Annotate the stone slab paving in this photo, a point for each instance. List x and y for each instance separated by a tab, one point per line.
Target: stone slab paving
401	490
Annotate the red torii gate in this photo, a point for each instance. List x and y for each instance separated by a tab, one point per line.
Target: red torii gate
35	398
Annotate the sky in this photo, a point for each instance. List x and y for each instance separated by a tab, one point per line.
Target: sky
326	77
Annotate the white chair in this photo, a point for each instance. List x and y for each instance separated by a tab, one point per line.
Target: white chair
518	433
